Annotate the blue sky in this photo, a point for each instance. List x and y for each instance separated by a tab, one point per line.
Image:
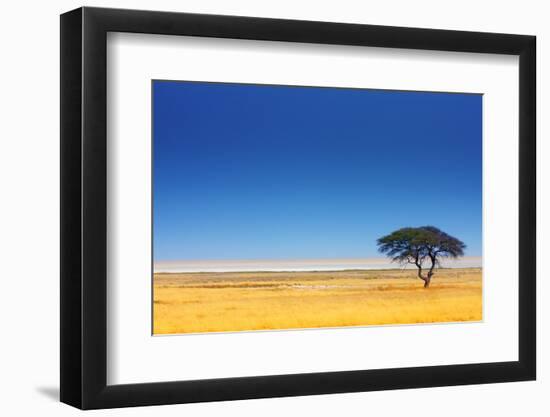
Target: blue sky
276	172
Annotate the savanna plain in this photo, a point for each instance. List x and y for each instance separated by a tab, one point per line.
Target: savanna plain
243	301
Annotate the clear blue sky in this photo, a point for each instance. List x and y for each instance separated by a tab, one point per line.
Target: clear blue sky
254	172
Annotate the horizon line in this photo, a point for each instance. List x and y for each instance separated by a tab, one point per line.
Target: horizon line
296	265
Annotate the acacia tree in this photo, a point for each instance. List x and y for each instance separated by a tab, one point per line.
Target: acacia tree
418	245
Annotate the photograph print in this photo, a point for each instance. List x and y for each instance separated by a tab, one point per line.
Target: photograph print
295	207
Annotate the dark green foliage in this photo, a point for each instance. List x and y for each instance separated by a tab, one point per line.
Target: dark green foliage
415	245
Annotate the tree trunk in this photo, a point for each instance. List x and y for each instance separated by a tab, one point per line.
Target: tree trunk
430	272
423	278
427	279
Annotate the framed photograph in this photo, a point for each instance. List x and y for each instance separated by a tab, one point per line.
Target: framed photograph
259	208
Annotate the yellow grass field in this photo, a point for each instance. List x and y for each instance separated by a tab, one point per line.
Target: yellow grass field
230	301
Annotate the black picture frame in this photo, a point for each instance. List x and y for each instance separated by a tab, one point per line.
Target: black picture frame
84	207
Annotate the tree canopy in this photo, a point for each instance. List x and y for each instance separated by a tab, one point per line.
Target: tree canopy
416	245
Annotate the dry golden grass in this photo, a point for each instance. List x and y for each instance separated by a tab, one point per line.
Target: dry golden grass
219	302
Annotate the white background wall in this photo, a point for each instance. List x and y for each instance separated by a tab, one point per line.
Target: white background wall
29	226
